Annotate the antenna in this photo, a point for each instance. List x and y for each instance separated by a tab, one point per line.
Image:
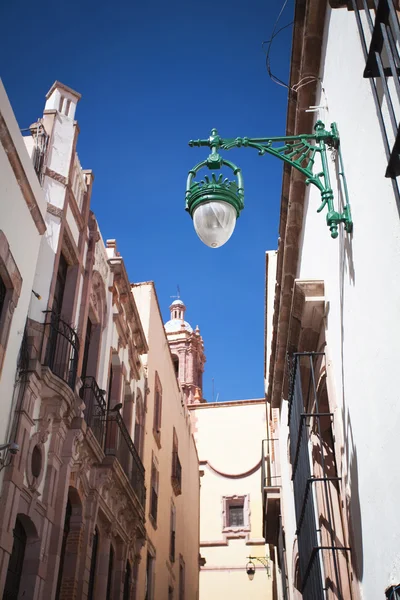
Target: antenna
212	388
178	291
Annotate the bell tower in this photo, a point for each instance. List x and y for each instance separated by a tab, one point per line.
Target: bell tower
187	349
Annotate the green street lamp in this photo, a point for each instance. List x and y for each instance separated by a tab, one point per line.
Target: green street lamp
251	568
215	203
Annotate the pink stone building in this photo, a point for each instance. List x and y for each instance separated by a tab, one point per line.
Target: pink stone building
76	358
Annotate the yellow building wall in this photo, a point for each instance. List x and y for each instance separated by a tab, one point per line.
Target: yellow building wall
174	414
228	437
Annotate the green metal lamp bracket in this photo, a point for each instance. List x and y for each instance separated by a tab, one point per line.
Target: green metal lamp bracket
264	560
299	151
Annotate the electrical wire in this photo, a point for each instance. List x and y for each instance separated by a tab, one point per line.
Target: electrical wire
304	80
274	33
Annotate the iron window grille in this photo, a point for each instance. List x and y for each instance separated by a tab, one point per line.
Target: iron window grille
95	407
62	348
176	477
154	494
119	443
393	592
282	560
23	356
304	415
236	515
380	38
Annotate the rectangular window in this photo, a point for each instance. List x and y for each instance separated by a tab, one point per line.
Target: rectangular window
149	591
172	534
3	292
380	45
181	578
236	516
87	346
60	285
157	409
10	289
315	481
176	472
139	424
154	493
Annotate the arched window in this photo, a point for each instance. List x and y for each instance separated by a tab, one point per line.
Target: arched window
16	562
67	522
93	563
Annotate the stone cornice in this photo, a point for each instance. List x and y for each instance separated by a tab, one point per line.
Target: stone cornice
227	404
308	34
123	289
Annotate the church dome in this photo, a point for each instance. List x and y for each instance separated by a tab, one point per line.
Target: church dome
175	325
177	321
178	302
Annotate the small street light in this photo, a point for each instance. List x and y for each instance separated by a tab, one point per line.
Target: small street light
215	203
251	568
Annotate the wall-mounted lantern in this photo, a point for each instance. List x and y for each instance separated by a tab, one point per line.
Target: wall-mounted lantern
251	568
215	203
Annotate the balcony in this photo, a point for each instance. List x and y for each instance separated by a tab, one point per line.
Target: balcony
62	350
176	477
95	407
271	498
118	443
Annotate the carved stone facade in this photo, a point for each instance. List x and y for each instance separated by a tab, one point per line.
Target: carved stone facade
73	495
187	350
77	479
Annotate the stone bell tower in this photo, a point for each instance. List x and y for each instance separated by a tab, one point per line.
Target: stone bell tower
187	350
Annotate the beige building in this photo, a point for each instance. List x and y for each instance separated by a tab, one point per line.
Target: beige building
170	565
229	442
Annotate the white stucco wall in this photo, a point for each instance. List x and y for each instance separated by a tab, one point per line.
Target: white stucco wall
362	290
228	437
21	232
270	277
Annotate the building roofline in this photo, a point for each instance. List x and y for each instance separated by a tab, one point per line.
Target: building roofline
227	403
58	84
307	44
152	284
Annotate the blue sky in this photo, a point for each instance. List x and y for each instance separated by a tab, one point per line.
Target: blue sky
154	75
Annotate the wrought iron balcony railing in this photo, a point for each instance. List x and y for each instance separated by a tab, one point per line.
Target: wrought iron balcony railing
62	348
315	481
176	476
118	443
271	497
95	407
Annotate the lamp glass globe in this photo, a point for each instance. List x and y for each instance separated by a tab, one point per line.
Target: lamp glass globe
214	222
